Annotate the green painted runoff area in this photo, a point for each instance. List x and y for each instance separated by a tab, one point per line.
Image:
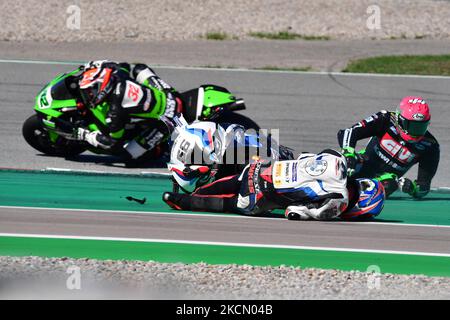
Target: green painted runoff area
109	192
222	254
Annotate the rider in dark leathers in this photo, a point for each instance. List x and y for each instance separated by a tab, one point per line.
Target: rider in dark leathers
398	141
129	90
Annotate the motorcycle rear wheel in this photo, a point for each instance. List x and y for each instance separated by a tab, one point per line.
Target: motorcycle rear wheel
236	118
37	137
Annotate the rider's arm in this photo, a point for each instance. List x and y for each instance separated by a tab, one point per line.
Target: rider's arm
428	165
369	127
116	117
327	210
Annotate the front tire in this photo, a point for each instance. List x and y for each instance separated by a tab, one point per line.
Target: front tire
37	137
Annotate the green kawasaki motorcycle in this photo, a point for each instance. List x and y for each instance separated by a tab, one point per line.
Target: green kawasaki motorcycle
50	129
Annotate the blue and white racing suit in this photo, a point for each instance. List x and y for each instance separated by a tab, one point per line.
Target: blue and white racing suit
312	187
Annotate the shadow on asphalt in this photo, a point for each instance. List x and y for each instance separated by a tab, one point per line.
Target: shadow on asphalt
281	216
384	220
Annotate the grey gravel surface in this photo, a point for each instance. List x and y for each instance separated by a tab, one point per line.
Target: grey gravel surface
45	278
143	20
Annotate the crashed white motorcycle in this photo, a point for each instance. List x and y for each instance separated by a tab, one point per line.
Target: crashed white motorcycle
204	151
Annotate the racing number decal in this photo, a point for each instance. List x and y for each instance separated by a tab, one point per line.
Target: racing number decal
133	93
395	149
44	102
184	147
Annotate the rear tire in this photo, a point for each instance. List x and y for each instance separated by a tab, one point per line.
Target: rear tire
37	137
236	118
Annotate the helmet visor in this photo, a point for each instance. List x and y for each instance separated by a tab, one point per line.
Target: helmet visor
89	95
414	128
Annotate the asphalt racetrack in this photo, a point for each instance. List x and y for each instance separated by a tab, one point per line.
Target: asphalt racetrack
308	108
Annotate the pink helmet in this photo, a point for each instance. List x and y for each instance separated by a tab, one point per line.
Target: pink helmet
413	116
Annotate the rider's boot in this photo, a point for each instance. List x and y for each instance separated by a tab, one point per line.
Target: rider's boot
180	201
177	201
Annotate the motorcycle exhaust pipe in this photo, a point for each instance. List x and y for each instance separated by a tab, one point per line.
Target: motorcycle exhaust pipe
237	105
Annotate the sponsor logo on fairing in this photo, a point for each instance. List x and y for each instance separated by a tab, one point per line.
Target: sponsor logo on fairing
156	137
253	173
170	106
286	173
294	171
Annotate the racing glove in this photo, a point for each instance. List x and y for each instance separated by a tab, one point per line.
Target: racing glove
82	134
412	188
352	159
407	186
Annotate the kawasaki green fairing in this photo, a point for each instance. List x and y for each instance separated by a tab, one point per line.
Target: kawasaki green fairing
59	114
55	99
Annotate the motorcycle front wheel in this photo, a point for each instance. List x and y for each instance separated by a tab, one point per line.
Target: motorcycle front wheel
37	137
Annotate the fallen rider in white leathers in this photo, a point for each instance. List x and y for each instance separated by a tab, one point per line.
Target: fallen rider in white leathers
314	186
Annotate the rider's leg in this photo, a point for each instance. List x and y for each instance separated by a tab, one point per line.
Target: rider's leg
219	196
224	186
149	140
145	75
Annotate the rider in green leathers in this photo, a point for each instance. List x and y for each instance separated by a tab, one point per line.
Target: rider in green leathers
130	90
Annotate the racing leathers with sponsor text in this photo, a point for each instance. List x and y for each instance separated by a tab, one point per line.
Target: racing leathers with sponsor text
312	187
387	155
131	91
